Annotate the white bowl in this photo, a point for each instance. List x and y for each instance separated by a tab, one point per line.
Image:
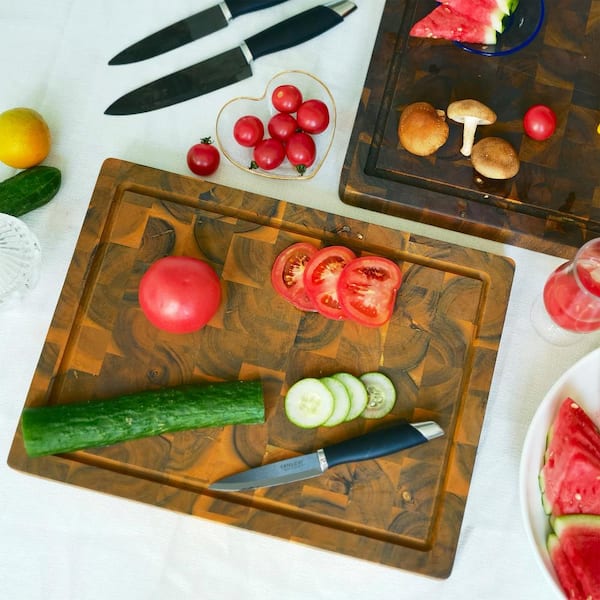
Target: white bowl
20	258
311	87
581	383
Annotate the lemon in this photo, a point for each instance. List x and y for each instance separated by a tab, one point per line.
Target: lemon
24	138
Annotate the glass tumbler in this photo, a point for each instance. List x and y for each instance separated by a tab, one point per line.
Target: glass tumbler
570	303
20	259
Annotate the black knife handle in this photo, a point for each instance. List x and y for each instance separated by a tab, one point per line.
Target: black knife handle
374	444
242	7
293	31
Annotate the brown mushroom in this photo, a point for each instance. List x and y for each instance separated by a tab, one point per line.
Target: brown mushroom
471	113
495	158
422	129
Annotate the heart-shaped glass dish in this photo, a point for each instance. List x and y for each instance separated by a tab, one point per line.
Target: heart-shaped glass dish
522	27
240	156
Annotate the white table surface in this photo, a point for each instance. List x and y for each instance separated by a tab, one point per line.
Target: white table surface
63	542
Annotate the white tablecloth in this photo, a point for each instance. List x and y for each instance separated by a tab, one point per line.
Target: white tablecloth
60	542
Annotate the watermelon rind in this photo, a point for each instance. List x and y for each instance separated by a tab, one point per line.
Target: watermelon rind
560	525
507	6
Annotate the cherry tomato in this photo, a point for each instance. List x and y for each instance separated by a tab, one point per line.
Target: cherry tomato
321	279
287	274
248	131
367	290
313	116
179	294
286	98
281	126
203	158
268	154
301	151
539	122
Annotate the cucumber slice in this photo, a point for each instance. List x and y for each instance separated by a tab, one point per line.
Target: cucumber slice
341	400
309	403
357	392
381	395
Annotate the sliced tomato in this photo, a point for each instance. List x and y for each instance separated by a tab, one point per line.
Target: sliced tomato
367	290
321	279
287	274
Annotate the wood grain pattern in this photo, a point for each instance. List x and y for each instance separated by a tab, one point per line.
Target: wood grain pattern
404	510
553	204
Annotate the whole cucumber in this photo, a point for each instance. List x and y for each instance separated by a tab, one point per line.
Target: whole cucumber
67	427
28	190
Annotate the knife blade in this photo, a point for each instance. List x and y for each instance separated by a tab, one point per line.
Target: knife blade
189	29
371	445
232	65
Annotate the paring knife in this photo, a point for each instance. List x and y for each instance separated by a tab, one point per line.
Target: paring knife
233	65
371	445
187	30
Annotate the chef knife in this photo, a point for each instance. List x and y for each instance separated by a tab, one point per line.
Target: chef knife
371	445
189	29
233	65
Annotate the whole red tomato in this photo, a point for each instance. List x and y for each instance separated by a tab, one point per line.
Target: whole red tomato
539	122
313	116
281	126
286	98
179	294
248	131
301	151
268	154
203	158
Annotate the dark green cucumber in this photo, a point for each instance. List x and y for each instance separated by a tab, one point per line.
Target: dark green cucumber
28	190
68	427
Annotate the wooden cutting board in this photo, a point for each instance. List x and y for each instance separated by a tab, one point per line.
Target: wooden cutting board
553	204
404	510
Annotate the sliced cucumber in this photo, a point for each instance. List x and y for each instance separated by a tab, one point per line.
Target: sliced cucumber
381	395
357	392
309	403
341	401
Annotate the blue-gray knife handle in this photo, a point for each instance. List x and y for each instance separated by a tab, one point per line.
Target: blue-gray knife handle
242	7
374	444
293	31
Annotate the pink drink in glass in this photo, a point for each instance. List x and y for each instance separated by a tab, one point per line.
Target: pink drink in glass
572	293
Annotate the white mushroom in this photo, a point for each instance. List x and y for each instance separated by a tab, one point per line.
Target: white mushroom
422	129
471	113
495	158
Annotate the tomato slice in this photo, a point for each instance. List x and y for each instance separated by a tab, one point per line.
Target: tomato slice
287	274
321	279
367	290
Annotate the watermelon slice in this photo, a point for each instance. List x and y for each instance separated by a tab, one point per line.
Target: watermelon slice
506	7
578	543
564	571
570	476
443	22
574	426
488	15
574	488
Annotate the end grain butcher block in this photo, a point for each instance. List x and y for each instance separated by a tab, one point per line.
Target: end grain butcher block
439	349
553	204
